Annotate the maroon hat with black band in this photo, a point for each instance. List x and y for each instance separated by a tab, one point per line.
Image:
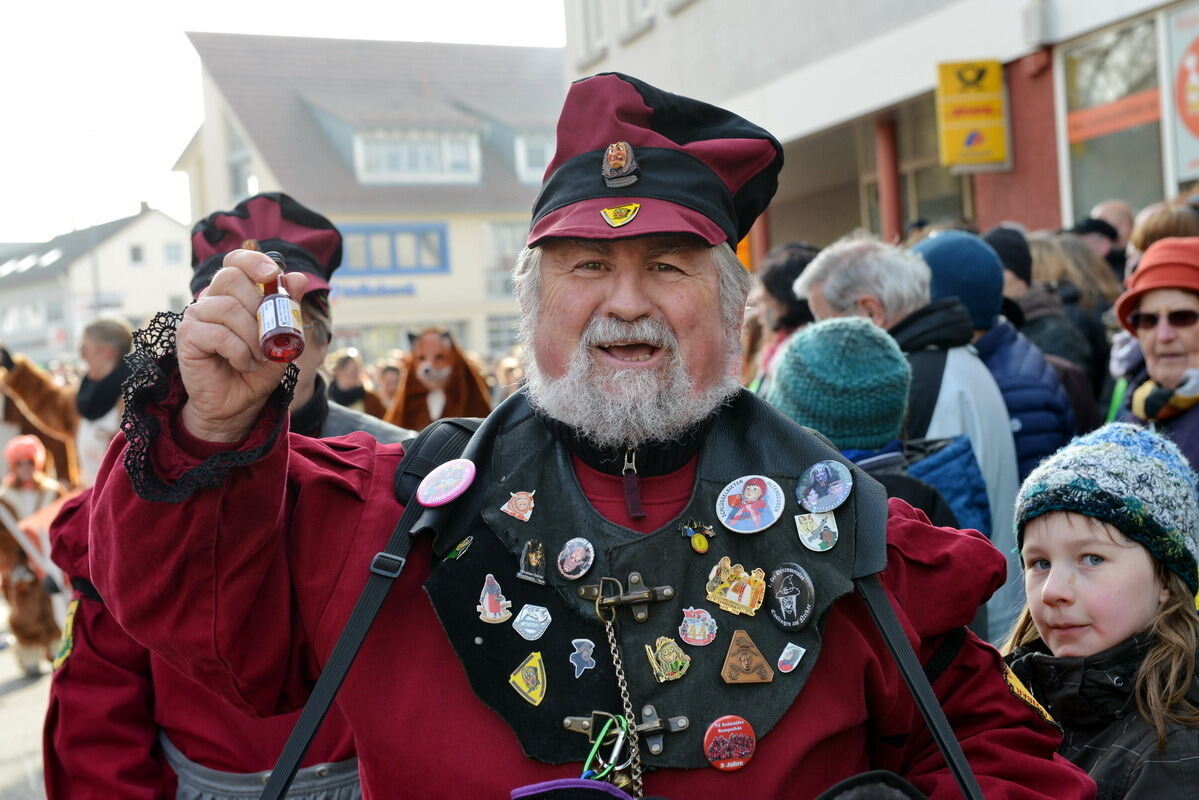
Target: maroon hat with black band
309	242
633	160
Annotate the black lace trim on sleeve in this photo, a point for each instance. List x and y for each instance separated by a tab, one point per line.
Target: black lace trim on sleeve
155	373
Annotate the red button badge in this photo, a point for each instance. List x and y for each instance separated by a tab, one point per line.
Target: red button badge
729	743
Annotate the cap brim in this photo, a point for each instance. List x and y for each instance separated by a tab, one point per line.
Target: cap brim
586	220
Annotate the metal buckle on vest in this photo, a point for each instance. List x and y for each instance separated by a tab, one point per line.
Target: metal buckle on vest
638	596
652	727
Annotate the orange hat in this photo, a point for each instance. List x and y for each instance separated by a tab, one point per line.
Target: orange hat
21	448
1171	263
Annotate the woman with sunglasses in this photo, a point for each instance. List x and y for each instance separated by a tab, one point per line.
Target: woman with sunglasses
1161	309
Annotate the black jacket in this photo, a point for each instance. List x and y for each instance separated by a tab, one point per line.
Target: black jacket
1091	698
925	336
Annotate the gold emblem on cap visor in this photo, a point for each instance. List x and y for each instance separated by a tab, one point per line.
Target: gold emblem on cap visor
620	215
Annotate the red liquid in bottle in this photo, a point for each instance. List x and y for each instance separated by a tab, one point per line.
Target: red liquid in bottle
280	326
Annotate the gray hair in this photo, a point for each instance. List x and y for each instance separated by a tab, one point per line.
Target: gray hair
859	265
111	332
735	283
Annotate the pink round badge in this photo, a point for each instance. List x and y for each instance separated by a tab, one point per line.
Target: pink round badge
446	482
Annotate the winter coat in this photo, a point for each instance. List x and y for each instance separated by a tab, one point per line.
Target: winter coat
1092	699
949	466
1042	420
1047	326
891	470
949	379
1089	322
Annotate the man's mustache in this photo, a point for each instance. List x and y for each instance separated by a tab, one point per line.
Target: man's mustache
603	331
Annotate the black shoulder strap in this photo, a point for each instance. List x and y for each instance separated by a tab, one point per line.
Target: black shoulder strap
436	444
928	369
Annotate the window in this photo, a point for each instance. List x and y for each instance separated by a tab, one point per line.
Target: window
416	157
534	151
1113	116
506	240
136	254
591	30
501	334
638	18
172	253
395	249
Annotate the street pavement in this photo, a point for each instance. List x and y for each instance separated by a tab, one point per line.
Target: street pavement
22	708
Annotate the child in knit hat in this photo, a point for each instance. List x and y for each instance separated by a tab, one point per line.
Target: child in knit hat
1106	643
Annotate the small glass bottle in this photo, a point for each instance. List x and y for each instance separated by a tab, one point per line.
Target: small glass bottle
280	325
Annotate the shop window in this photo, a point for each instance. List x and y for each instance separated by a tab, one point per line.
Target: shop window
395	249
1113	116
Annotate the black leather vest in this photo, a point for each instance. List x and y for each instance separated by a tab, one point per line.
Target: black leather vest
515	452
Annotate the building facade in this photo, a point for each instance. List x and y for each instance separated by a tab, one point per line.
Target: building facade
426	156
129	268
1092	92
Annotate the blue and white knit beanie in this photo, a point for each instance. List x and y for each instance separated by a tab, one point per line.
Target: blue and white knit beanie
846	378
1130	477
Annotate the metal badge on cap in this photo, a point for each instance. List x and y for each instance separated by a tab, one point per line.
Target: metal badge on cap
617	216
729	743
446	482
620	166
824	486
750	504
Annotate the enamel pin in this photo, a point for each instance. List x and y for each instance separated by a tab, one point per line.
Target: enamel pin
698	533
824	486
493	607
792	596
667	659
729	743
532	621
529	679
620	166
789	659
750	504
519	505
698	628
576	558
735	590
460	549
744	662
817	531
532	562
617	216
581	658
446	482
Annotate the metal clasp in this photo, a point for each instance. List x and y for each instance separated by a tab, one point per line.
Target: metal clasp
639	596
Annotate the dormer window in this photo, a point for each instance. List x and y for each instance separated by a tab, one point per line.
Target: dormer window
533	154
416	157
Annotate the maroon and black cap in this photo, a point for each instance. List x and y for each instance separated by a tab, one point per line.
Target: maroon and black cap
633	160
309	242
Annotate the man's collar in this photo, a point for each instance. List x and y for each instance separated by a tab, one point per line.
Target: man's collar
652	458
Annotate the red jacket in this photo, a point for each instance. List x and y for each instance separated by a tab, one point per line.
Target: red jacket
111	696
247	586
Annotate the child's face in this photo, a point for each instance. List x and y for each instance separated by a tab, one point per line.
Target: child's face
1089	587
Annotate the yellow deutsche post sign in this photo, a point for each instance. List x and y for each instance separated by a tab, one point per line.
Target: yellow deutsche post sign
972	117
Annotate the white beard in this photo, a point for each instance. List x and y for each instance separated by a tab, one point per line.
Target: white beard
625	407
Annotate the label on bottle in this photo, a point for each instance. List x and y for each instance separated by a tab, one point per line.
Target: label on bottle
267	320
287	311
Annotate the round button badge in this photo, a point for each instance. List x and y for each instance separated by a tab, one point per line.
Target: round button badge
576	558
750	504
729	743
824	486
446	482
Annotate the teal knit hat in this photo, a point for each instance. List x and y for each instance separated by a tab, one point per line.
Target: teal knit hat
847	379
1130	477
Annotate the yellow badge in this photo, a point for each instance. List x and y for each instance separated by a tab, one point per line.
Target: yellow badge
1018	688
529	679
620	215
68	635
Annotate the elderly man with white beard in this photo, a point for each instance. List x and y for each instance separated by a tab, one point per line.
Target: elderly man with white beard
610	634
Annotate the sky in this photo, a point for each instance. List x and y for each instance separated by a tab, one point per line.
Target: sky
98	100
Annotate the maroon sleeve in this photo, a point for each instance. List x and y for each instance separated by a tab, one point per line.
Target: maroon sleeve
228	584
100	737
936	578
